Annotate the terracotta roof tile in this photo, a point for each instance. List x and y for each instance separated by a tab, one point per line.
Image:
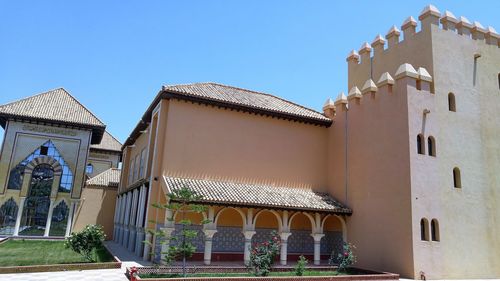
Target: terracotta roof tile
108	142
108	178
243	194
246	98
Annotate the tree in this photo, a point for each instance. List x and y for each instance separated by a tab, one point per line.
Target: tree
87	241
182	202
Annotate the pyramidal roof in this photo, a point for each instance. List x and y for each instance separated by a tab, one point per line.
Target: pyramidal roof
55	106
109	143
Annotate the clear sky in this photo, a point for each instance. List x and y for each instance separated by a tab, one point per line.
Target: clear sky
114	56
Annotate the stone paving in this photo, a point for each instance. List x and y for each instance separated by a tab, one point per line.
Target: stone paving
127	259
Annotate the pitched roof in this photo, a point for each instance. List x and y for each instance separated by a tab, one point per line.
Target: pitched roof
55	106
246	98
108	178
243	194
233	98
108	142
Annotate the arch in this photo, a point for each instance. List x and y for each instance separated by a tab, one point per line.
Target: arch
8	215
203	214
243	217
48	160
424	229
276	214
451	102
309	216
342	223
431	146
435	230
457	178
420	144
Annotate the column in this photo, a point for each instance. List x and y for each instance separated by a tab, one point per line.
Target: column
284	247
49	218
248	243
115	218
140	222
147	247
19	215
126	219
133	217
317	247
165	244
70	219
207	255
122	217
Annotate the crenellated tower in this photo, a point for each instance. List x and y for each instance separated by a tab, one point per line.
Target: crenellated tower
414	148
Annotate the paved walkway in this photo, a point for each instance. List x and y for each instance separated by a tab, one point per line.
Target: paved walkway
127	259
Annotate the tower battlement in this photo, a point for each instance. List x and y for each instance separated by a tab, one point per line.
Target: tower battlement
400	43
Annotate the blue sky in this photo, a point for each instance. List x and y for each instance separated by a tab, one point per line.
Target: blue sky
114	56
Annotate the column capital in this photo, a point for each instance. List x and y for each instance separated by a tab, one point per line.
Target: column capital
317	237
249	234
284	235
209	233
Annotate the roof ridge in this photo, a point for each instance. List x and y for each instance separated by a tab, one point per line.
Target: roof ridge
266	94
84	107
35	95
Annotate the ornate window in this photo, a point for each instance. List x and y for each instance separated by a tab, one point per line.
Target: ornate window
8	216
36	206
59	220
17	173
434	230
424	229
451	102
431	146
420	144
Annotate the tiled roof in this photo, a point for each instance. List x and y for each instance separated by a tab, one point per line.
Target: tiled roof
108	178
108	142
55	106
242	194
246	98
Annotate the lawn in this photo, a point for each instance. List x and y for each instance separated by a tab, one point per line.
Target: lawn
38	252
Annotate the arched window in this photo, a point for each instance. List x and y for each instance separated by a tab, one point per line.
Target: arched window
36	206
424	229
451	102
434	230
59	220
89	169
431	145
420	144
457	181
8	215
16	175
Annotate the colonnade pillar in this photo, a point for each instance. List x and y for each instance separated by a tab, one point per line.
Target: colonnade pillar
248	243
19	216
70	218
207	255
284	247
317	247
49	218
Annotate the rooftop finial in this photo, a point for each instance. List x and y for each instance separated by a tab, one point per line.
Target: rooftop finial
449	21
409	26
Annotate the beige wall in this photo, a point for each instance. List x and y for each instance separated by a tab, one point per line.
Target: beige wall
97	206
203	142
102	161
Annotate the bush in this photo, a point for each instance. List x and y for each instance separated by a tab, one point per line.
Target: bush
301	266
346	258
87	241
263	254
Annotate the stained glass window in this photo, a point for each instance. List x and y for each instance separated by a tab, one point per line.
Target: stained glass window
49	149
59	220
8	215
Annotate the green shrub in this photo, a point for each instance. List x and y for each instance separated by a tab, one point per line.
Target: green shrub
345	259
87	241
301	266
262	256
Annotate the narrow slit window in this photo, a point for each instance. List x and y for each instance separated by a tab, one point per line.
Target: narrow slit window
424	233
451	102
420	144
431	146
434	230
457	181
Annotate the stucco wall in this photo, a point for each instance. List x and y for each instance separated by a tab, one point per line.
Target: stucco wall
97	206
203	141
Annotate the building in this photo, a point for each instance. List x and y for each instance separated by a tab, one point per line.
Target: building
405	166
52	147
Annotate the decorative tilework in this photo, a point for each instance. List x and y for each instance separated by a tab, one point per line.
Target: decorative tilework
301	242
228	239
